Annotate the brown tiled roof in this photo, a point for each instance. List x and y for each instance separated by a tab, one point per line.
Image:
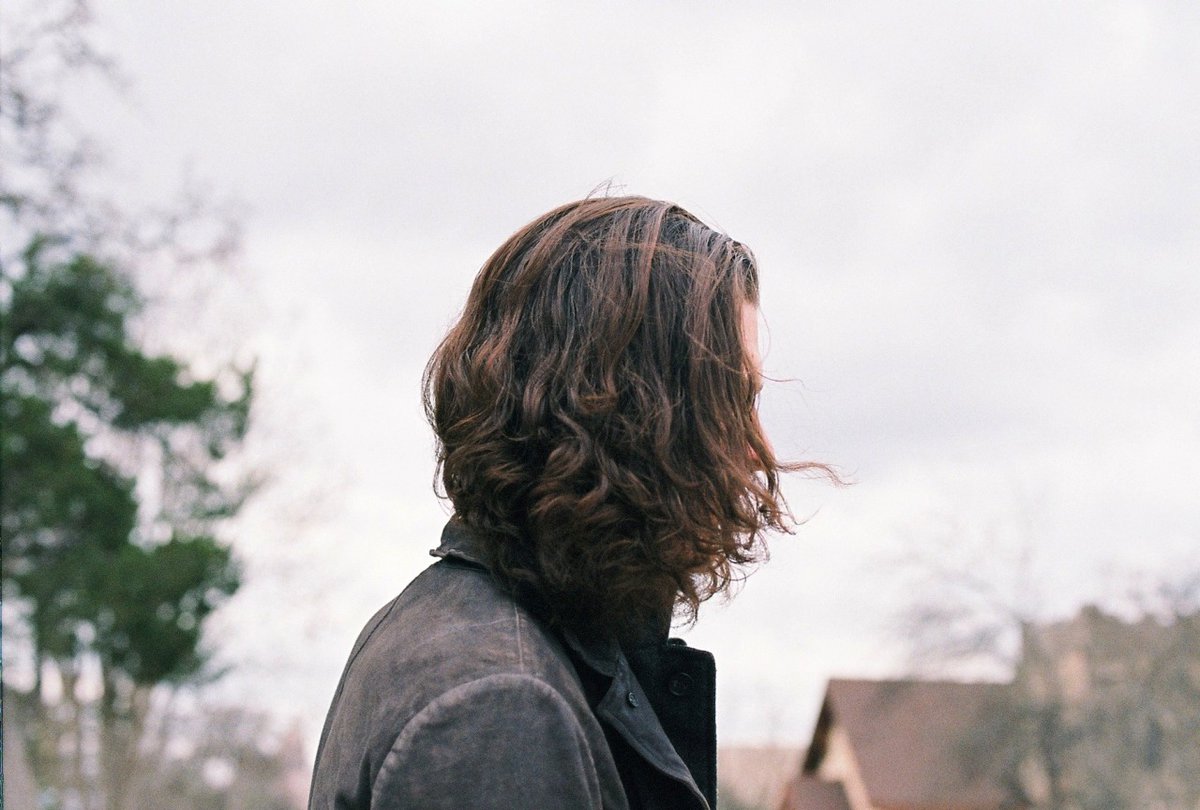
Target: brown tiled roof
809	793
920	744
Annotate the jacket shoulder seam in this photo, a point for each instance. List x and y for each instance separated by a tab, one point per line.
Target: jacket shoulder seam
520	638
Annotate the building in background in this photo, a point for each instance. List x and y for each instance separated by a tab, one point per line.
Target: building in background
755	776
903	744
1108	710
1101	712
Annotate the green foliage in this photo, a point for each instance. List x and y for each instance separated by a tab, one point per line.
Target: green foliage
90	421
154	602
54	495
115	468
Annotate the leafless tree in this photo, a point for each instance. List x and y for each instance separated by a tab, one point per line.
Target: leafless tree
1104	707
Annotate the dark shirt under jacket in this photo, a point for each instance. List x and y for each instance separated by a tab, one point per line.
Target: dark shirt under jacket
456	696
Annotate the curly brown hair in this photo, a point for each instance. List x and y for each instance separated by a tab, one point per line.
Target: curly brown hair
595	414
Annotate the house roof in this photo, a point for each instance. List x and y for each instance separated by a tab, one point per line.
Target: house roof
919	744
809	793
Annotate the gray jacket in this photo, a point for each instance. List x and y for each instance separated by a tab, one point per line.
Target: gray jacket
456	696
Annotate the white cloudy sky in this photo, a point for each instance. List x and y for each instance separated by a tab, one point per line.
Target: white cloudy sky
979	231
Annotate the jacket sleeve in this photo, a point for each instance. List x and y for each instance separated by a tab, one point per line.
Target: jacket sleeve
504	741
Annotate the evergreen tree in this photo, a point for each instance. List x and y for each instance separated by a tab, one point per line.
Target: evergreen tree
112	457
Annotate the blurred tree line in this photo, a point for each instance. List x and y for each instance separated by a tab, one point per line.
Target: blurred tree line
117	462
1103	711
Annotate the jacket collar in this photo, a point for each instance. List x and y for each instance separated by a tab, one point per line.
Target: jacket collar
459	543
625	706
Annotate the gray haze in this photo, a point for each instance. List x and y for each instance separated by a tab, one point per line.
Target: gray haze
979	232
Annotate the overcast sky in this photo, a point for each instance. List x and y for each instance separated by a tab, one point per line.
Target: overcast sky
979	234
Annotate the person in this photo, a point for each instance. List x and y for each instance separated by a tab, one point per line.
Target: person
598	439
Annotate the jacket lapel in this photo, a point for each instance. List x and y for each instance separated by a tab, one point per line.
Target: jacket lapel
625	706
628	711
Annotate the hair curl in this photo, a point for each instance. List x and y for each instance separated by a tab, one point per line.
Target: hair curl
594	410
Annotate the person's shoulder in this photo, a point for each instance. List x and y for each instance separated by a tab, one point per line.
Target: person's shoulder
451	626
504	740
451	660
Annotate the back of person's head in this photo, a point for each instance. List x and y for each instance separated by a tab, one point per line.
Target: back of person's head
595	414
